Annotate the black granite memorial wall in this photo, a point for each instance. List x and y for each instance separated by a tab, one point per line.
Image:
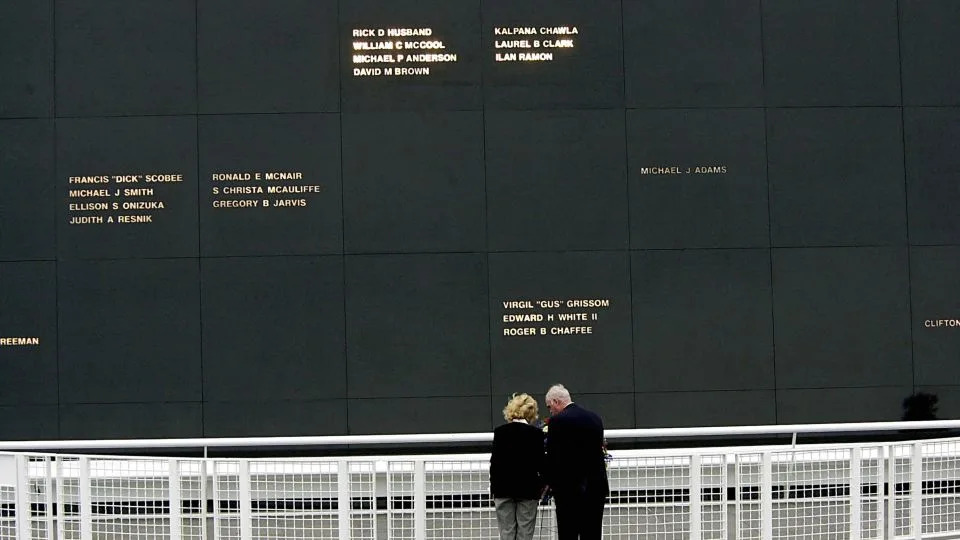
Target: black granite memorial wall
376	216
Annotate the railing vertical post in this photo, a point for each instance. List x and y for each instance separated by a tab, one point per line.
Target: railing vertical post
856	523
246	505
766	497
204	516
916	490
696	497
881	482
343	498
51	499
208	466
61	502
85	500
420	499
215	498
892	496
22	500
174	488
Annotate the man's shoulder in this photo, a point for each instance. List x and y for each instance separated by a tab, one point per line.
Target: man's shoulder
593	415
576	413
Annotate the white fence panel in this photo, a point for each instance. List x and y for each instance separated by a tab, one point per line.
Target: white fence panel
815	492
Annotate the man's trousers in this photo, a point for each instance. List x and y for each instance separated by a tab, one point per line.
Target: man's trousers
579	515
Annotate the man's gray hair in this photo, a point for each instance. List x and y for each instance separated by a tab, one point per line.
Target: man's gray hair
559	393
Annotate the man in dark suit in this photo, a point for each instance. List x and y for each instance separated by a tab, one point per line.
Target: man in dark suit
575	469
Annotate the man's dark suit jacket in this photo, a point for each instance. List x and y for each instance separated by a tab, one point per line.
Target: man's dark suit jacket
575	453
516	464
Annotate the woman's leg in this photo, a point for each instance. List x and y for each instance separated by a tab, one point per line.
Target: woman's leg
506	518
526	518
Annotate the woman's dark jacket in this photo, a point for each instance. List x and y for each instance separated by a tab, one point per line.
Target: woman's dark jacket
516	464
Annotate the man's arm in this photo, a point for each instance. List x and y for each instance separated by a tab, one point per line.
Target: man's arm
555	433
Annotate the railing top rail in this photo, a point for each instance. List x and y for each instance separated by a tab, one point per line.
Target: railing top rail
454	438
951	447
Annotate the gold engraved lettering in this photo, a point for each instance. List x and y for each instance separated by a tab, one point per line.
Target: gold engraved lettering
519	331
294	189
242	190
87	207
148	205
570	330
19	341
283	176
227	177
515	44
289	202
535	57
412	71
515	31
88	193
164	178
430	58
91	220
526	317
405	32
942	323
89	180
526	50
372	45
375	57
243	203
588	303
559	30
675	169
568	323
135	219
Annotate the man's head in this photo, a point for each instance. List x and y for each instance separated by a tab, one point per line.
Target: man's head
557	398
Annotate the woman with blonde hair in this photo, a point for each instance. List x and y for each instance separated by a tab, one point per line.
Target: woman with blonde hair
516	469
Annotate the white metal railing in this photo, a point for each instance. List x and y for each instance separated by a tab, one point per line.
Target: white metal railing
451	438
819	491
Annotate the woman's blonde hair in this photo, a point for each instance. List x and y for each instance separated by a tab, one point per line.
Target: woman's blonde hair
520	406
